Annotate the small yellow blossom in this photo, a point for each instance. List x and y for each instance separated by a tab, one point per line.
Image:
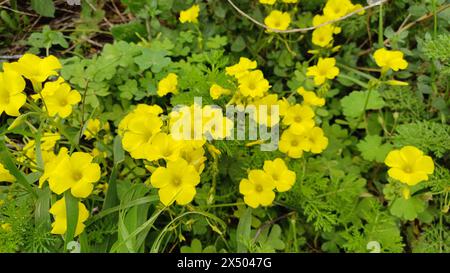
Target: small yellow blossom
168	85
58	210
34	68
92	128
75	172
240	69
387	59
12	97
140	132
323	36
176	182
257	189
409	165
253	84
216	91
5	176
283	177
299	118
314	141
290	144
190	15
325	69
194	156
6	227
59	98
163	146
310	98
140	110
267	2
277	20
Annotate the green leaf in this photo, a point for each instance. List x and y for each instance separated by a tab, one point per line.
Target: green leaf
156	59
111	198
72	216
353	104
6	159
243	231
44	7
372	150
407	209
272	241
238	45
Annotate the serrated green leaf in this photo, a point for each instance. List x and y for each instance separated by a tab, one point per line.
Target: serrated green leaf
372	149
407	209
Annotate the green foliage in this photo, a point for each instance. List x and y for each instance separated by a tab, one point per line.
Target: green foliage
372	149
356	102
434	137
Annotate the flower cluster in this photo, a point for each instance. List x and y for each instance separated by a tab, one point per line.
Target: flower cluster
334	9
145	135
57	96
258	188
75	173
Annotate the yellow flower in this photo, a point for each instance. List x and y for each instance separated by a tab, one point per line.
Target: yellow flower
176	182
257	189
409	165
12	97
314	141
267	2
325	69
283	177
277	20
140	110
335	9
168	85
58	210
290	144
310	98
216	91
139	134
34	68
48	141
390	60
253	84
5	176
92	128
265	117
299	118
323	36
163	146
240	69
75	172
283	105
59	98
6	227
289	1
194	156
190	15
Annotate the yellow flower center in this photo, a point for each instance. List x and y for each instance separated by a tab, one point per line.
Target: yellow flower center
294	143
258	188
77	175
408	169
176	181
275	176
298	119
63	102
